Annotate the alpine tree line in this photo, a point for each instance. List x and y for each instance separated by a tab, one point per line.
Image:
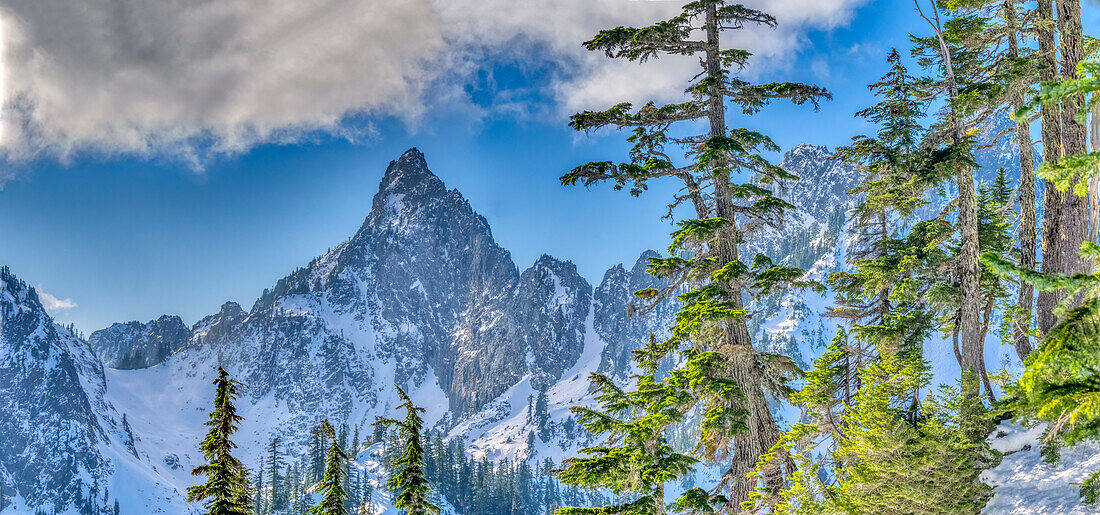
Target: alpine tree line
935	254
326	479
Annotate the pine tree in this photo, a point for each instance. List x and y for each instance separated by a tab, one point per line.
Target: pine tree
407	476
907	458
331	485
730	187
258	500
275	464
996	77
637	458
226	484
1069	219
871	440
895	177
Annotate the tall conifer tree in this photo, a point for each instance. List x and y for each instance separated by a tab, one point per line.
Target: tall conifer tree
730	188
637	459
226	490
331	485
407	476
952	138
1061	381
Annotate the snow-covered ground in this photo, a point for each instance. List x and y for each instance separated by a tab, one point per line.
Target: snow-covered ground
1024	484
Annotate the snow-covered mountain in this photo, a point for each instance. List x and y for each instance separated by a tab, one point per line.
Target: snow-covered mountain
420	296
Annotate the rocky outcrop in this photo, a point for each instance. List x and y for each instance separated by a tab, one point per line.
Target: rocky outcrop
133	345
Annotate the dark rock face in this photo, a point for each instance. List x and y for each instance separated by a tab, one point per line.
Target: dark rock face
134	345
551	305
622	333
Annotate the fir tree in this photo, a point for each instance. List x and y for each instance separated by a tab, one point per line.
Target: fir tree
275	464
1000	69
331	485
885	444
637	458
951	140
226	484
906	458
730	187
407	476
1068	218
258	500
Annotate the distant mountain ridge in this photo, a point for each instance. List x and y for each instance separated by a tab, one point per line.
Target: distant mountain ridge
138	345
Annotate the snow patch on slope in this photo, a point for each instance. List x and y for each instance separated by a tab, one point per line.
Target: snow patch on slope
1024	484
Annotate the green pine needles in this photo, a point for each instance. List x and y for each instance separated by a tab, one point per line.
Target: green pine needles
226	490
407	477
1061	380
637	459
331	486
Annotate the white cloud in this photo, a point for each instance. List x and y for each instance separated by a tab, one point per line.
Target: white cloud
189	78
52	303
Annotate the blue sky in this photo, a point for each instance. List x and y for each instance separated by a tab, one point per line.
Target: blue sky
131	234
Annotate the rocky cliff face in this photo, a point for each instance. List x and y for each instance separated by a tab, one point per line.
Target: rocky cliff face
133	345
623	333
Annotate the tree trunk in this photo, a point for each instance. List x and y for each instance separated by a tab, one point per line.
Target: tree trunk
971	346
1075	210
1022	324
735	343
1051	123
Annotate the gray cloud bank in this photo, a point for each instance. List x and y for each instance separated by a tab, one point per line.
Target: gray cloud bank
186	79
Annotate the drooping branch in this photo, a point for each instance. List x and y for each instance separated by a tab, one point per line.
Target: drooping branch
639	44
753	97
620	115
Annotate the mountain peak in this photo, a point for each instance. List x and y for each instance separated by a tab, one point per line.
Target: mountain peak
231	309
409	172
818	152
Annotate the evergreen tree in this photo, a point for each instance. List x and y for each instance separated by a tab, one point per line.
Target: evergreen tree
906	458
871	442
1068	218
637	458
407	476
226	484
258	500
331	485
275	464
318	447
992	35
730	187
